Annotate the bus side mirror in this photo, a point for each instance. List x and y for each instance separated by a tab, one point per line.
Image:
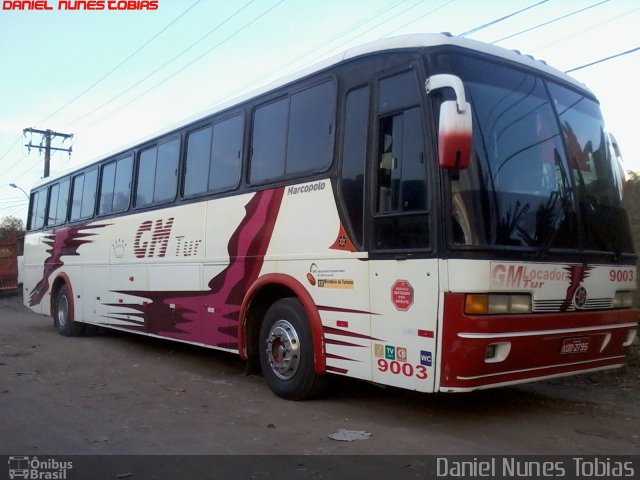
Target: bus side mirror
455	130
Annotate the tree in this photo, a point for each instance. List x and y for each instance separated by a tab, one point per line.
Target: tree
11	227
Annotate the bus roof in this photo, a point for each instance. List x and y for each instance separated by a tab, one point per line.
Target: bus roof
401	42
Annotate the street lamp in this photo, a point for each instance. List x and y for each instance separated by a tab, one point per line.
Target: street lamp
19	188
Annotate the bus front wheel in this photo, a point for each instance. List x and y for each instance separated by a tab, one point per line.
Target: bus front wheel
286	352
62	316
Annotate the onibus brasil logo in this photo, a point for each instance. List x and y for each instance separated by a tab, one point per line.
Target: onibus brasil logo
33	468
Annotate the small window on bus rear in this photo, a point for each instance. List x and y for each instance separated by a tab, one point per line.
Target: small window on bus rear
157	179
58	203
83	197
115	189
38	203
214	157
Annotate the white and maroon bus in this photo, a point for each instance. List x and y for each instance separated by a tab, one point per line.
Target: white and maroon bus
426	212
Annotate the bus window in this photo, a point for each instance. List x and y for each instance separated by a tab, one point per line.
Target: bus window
198	161
158	174
269	136
226	153
293	135
58	202
116	186
398	91
214	157
310	129
167	171
84	195
38	207
401	182
355	156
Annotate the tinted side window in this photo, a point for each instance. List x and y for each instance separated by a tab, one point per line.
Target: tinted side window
269	141
116	186
167	171
226	154
398	91
293	135
89	194
401	220
146	177
198	159
76	203
158	173
355	156
402	174
58	201
310	129
37	211
106	189
122	187
84	195
54	191
214	157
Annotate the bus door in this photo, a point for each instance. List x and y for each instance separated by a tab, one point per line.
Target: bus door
404	280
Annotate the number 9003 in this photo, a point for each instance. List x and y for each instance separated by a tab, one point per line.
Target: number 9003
402	368
621	276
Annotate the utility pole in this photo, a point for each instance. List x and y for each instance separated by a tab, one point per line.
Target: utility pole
48	135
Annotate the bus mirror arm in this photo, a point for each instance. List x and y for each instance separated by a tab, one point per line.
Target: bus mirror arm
444	80
455	126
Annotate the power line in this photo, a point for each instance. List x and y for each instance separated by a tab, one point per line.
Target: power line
340	34
376	26
121	63
501	19
37	164
11	147
550	22
191	62
13	212
210	32
433	10
8	200
18	203
603	60
316	48
591	27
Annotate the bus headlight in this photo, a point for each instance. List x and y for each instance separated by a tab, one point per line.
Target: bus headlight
497	304
623	300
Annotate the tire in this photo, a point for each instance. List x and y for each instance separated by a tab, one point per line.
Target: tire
286	352
62	315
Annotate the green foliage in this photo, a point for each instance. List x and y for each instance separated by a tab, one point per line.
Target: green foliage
11	227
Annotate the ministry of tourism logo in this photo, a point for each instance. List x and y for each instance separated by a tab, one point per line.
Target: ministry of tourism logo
37	469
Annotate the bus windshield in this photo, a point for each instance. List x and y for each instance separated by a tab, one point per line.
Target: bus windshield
541	176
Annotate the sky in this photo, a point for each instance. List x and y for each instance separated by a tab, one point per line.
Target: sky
111	77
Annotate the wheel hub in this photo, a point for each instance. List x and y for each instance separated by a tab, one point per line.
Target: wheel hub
283	349
63	311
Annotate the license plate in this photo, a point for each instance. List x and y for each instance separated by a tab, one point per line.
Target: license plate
575	345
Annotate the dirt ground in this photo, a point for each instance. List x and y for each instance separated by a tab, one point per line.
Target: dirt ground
116	393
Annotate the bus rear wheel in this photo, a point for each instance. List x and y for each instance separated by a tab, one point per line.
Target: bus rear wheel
286	352
62	315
